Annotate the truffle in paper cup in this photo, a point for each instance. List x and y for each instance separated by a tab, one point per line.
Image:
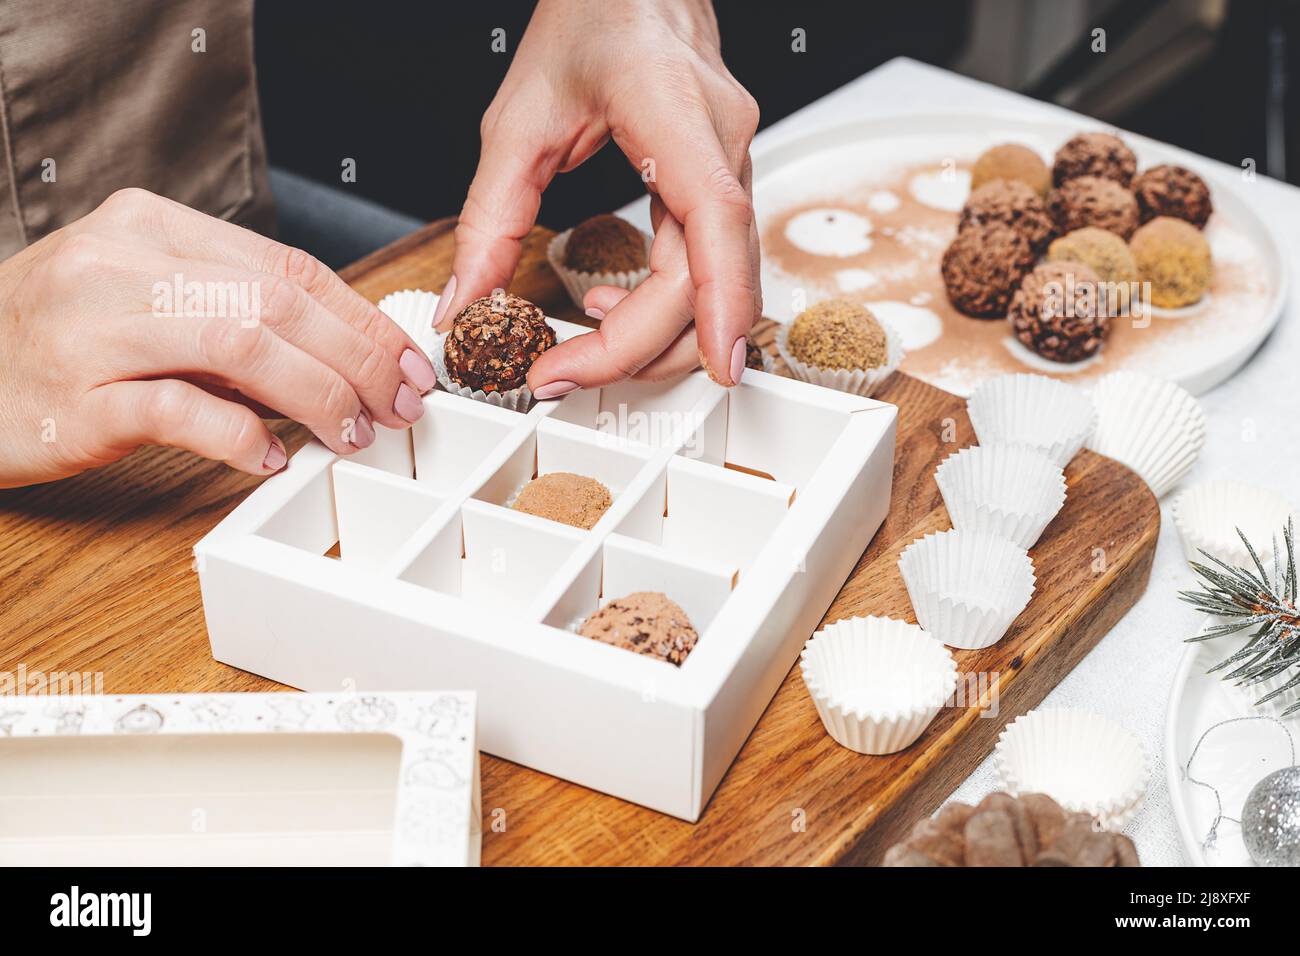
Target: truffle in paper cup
1083	761
412	310
877	682
516	400
1149	424
1009	491
1207	516
577	283
856	381
966	586
1025	409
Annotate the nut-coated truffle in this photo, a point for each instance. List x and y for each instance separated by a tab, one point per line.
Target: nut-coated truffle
1173	256
1058	312
1093	201
1014	162
1173	191
1094	154
646	622
1107	254
605	244
982	268
1013	204
495	341
565	497
753	355
838	334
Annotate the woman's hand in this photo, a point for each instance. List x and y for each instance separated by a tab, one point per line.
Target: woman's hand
649	75
98	356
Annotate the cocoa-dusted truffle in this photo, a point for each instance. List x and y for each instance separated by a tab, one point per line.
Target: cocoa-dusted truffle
982	267
1173	191
646	622
837	333
1058	312
1173	256
605	244
1107	254
1014	162
1013	204
1029	830
565	497
1093	201
753	355
495	341
1095	154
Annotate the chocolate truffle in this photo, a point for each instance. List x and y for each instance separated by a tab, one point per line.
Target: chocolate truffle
1174	257
495	341
838	334
1013	162
1094	154
753	355
646	622
1013	204
983	266
1173	191
1093	201
1057	312
565	497
1107	254
605	244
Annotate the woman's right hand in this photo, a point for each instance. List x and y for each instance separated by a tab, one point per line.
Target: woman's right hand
95	360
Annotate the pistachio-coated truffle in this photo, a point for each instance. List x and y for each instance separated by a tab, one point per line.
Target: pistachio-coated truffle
1174	257
838	334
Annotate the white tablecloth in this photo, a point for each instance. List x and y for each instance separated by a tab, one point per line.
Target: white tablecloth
1252	435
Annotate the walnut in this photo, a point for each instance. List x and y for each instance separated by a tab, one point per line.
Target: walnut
1032	830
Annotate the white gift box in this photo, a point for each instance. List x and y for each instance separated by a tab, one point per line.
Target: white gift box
239	779
748	506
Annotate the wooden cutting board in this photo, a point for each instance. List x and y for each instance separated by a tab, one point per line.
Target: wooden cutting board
95	575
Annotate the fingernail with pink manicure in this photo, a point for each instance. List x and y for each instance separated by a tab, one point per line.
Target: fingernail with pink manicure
407	404
595	313
363	433
554	390
275	456
738	360
418	369
444	301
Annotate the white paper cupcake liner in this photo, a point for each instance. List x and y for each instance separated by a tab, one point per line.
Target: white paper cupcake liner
578	283
516	400
863	382
1083	761
1008	491
1208	514
1026	409
876	682
412	310
1149	424
966	587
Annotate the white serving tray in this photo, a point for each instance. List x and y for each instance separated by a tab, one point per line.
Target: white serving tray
239	779
1233	758
441	584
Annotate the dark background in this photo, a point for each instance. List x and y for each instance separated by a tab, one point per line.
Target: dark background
400	86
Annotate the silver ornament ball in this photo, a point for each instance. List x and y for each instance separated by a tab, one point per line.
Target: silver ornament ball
1270	820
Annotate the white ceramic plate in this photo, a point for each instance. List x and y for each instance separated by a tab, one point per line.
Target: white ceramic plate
852	159
1233	758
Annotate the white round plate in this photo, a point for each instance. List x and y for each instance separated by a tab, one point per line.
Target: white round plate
1233	758
862	168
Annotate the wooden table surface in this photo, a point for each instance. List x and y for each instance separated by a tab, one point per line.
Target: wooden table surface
96	576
